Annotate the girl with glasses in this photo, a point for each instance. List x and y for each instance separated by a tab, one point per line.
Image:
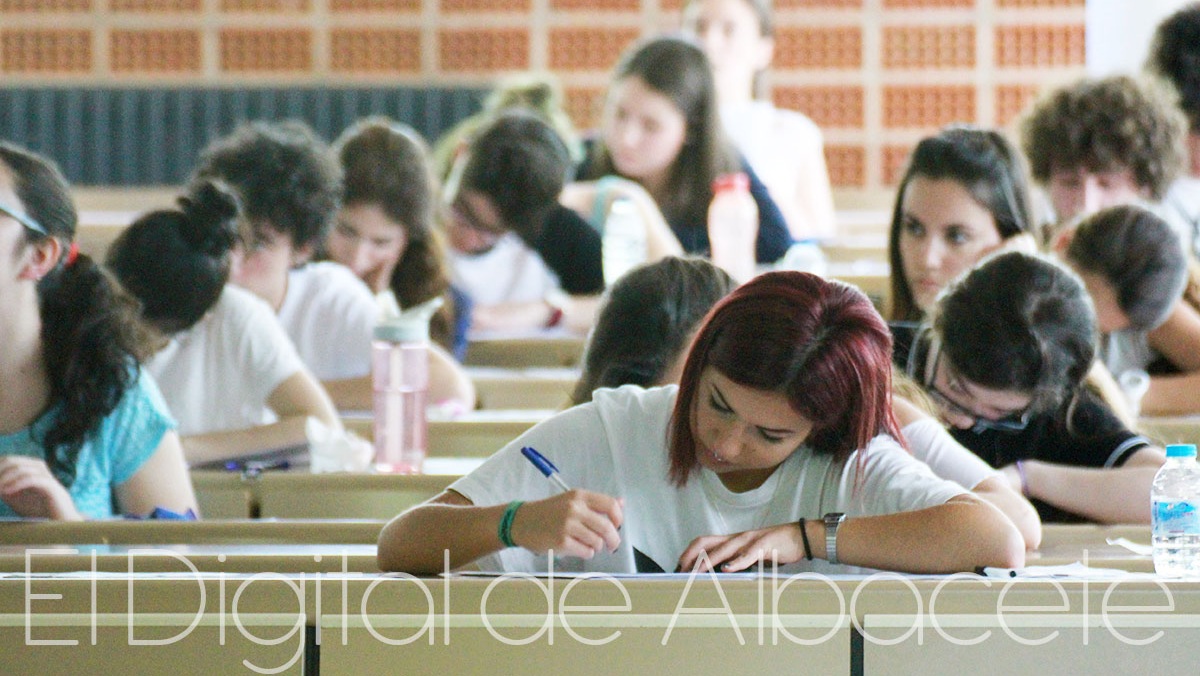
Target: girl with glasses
1005	360
84	432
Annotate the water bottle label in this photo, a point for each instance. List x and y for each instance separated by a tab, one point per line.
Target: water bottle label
1176	518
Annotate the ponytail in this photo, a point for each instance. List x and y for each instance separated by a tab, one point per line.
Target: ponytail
92	343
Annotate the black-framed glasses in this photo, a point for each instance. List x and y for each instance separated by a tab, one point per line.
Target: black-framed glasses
1013	422
23	220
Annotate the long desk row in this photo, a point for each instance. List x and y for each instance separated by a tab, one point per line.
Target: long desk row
326	620
301	495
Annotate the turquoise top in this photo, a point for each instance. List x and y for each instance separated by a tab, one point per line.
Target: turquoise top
111	454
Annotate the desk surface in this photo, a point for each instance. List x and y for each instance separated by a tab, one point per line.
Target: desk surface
301	495
371	624
257	532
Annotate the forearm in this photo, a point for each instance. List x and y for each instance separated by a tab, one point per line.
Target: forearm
1120	495
350	394
215	446
957	536
416	541
448	381
532	315
1015	507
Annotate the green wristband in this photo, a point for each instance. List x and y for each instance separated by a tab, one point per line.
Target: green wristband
506	522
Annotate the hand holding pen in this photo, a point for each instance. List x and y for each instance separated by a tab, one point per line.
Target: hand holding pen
574	522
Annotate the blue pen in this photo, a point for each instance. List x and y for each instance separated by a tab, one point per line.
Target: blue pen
544	466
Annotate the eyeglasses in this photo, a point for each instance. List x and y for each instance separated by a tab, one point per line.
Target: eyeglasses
23	220
1013	422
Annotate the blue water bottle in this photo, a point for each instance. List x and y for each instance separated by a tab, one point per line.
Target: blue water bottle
1174	499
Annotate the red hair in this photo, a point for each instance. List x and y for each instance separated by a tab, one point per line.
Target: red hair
819	342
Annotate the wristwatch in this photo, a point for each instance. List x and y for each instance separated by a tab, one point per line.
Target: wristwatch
832	521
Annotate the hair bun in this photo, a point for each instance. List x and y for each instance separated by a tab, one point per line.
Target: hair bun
210	218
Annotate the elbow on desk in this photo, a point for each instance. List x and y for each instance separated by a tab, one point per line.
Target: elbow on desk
1005	548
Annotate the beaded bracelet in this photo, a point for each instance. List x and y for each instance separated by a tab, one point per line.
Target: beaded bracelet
808	556
506	522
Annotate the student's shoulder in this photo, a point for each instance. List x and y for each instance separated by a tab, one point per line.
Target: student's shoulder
635	406
238	302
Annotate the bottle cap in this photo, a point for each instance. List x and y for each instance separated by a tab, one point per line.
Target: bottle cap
736	181
1181	450
411	326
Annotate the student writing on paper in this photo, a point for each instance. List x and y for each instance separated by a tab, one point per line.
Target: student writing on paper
83	430
649	318
778	444
1005	359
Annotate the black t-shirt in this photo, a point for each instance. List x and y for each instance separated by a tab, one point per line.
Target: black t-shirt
1095	437
571	248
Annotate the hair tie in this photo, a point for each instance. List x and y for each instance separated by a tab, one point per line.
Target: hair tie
72	254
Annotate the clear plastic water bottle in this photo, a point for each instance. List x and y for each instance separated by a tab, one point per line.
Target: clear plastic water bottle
733	225
1134	384
1175	500
623	245
400	375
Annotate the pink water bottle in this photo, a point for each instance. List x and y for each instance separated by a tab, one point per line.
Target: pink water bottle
400	371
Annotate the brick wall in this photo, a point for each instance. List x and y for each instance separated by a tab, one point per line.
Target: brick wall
875	74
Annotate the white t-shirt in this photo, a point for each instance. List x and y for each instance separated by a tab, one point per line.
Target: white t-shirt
771	139
932	444
617	445
217	375
1181	207
510	272
330	315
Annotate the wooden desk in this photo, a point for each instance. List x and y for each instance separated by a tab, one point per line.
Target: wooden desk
301	495
875	625
487	626
529	388
97	622
551	351
206	532
871	277
1171	429
1087	543
185	559
477	434
850	248
1022	626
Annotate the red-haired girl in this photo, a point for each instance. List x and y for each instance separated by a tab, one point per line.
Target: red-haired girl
778	444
